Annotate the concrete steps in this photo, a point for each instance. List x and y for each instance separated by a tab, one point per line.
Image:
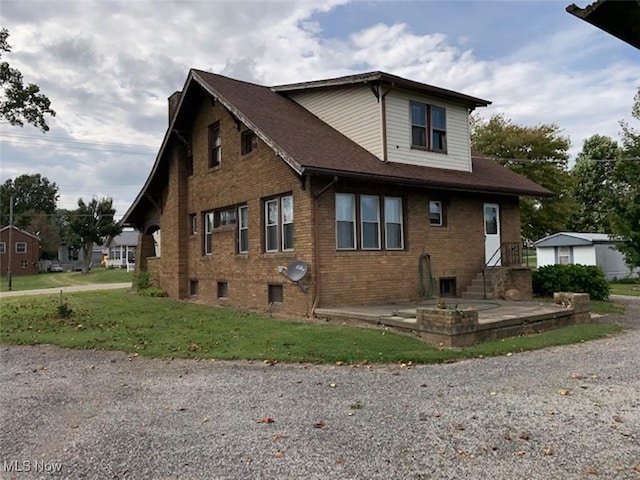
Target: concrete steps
476	290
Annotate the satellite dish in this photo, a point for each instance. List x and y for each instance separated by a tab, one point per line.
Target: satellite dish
297	270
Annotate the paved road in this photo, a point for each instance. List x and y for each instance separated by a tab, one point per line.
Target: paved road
569	413
70	288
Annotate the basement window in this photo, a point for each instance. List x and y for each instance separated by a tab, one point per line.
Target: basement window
223	290
276	294
447	287
193	287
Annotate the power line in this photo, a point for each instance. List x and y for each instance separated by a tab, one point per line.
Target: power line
71	140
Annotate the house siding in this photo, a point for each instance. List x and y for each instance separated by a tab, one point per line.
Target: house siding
353	111
30	256
458	156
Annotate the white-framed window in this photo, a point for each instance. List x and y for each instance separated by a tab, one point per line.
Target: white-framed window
377	219
393	223
345	221
428	127
243	229
21	247
564	255
3	247
208	233
436	217
224	216
370	222
278	224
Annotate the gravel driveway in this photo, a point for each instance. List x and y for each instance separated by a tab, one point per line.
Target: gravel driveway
567	413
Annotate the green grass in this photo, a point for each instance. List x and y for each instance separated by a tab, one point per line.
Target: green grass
625	289
601	306
66	279
159	327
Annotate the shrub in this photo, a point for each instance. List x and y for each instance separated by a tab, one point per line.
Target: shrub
152	292
571	278
142	281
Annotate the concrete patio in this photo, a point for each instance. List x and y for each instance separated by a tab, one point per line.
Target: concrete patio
492	319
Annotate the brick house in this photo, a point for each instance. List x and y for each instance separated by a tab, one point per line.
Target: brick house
361	177
24	248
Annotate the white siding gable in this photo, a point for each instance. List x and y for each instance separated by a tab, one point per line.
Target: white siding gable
353	111
458	156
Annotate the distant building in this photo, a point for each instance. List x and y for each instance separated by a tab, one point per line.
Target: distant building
121	250
572	248
23	249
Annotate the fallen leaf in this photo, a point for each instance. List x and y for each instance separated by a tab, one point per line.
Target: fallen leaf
340	460
550	412
205	419
547	451
332	385
339	363
276	437
590	471
617	418
520	453
319	425
509	354
266	420
279	454
637	468
524	436
493	393
576	376
458	426
563	391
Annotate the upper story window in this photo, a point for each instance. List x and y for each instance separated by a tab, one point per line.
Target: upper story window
278	224
215	145
428	127
378	219
21	247
249	142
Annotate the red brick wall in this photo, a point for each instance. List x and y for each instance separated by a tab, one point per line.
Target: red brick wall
31	256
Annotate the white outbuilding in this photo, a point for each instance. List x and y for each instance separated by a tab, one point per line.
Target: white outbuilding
597	249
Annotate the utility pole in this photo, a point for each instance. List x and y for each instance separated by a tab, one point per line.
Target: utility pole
10	249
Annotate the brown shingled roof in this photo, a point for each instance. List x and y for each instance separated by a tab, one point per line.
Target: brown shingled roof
312	147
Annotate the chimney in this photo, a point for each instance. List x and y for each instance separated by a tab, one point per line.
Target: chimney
174	99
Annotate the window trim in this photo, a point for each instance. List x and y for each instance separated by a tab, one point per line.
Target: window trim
279	224
386	230
441	222
215	145
207	232
377	222
18	250
429	128
357	221
193	224
242	228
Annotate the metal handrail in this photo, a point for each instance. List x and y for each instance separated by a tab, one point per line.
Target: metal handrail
509	254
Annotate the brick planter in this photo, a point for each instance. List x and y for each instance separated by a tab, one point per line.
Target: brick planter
449	327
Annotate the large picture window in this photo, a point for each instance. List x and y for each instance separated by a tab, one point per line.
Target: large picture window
377	223
428	127
278	224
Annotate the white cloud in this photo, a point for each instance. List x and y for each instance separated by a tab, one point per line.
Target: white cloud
108	68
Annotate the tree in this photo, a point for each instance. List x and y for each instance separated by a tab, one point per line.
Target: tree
33	194
540	154
20	103
595	185
91	223
625	221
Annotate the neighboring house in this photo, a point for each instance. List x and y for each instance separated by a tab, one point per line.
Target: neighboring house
618	18
71	258
571	248
361	177
121	249
23	248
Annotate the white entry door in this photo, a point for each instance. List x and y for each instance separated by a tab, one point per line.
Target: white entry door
491	234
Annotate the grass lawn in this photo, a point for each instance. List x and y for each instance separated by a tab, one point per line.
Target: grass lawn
65	279
625	289
160	327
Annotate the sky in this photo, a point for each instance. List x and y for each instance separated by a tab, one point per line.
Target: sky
108	68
